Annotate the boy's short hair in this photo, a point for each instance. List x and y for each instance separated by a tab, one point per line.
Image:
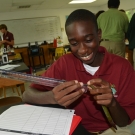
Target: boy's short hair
3	26
113	3
81	15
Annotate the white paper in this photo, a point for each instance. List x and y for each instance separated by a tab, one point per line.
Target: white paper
36	120
9	67
10	133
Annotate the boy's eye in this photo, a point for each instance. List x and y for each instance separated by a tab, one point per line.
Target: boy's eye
73	43
88	40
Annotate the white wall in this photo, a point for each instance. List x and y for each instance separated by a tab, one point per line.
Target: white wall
43	13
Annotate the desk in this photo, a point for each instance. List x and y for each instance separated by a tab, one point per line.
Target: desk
21	68
5	82
17	61
24	53
80	130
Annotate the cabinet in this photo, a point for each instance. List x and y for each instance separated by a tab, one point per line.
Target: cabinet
23	51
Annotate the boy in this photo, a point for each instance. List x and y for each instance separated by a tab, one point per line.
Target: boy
8	38
92	65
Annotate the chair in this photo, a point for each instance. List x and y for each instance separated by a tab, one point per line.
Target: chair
9	101
59	51
67	49
19	57
36	51
9	83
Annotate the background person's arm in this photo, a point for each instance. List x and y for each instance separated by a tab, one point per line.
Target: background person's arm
8	42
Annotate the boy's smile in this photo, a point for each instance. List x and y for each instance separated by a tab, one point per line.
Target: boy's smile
87	57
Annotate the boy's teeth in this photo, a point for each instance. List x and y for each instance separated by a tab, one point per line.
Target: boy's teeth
86	56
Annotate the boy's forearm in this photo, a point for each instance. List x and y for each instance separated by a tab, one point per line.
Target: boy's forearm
119	115
34	96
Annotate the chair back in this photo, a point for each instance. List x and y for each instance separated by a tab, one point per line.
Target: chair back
18	55
59	51
34	49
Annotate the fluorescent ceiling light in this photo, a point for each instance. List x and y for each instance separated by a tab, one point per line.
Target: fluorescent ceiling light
81	1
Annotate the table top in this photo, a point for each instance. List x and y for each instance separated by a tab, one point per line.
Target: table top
9	82
22	68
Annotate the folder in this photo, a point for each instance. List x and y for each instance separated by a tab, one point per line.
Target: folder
75	121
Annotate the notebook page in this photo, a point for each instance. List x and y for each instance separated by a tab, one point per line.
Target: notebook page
28	119
10	133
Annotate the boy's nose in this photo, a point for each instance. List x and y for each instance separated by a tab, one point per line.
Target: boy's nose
82	49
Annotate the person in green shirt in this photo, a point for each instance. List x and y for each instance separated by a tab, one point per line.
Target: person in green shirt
113	24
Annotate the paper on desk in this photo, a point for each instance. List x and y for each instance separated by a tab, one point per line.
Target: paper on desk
9	133
9	67
36	120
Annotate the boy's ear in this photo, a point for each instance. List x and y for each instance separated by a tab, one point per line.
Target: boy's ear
99	34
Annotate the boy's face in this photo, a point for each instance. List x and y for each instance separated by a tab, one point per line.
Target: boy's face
3	31
84	40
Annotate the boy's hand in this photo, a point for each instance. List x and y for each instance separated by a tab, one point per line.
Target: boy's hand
102	92
67	92
3	41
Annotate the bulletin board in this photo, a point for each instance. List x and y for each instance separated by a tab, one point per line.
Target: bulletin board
34	29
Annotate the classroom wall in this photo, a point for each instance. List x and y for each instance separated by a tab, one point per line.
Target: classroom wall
62	13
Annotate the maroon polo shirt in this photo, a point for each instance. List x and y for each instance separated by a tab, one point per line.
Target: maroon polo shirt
114	69
9	37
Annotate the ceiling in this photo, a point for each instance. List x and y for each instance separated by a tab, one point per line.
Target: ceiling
13	5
